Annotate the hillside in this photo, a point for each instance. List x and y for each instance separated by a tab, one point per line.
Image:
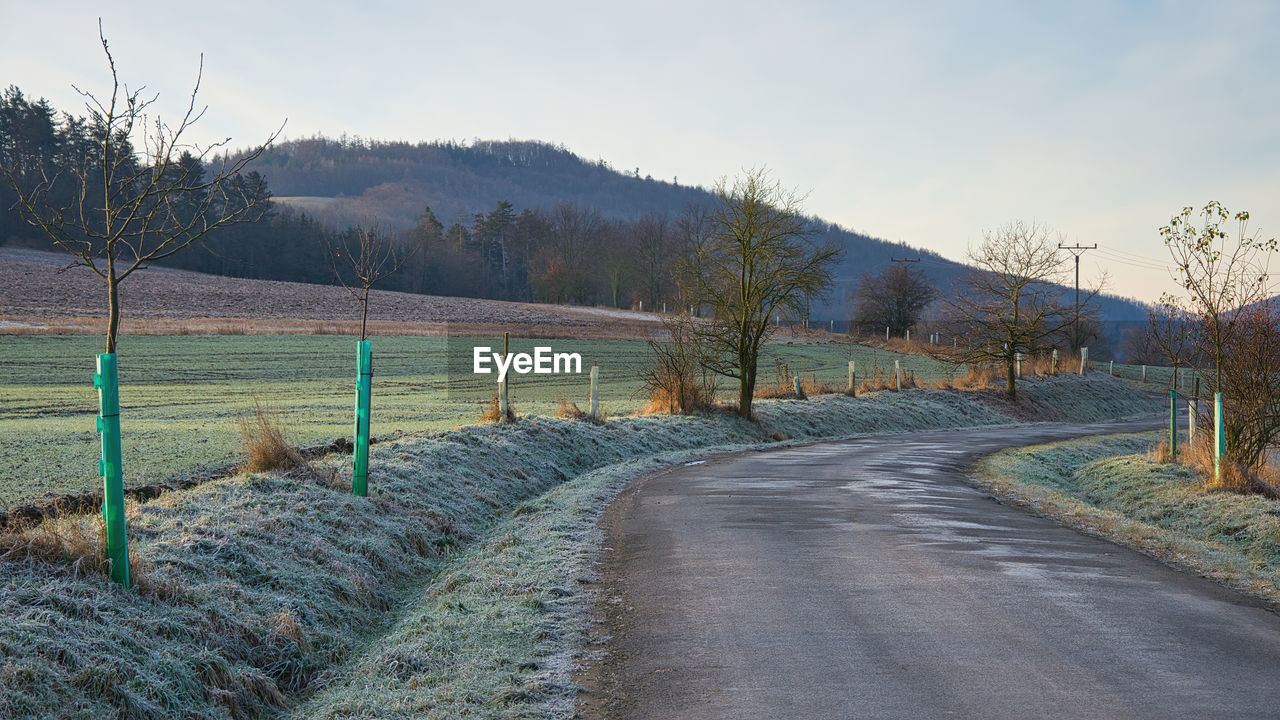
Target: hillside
342	181
511	220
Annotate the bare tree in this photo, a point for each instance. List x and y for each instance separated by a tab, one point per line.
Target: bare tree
757	257
692	231
653	243
130	210
1173	332
575	232
364	256
1233	321
1220	273
1251	379
1009	304
895	299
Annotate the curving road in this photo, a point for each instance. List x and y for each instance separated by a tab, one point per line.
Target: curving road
865	579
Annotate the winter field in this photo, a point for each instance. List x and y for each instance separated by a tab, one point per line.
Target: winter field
182	396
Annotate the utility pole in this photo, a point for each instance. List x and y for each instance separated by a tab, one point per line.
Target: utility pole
1076	251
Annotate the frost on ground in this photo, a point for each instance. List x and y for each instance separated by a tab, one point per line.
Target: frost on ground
1113	488
453	590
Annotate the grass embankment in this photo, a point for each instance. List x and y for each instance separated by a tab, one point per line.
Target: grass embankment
271	593
183	396
1113	487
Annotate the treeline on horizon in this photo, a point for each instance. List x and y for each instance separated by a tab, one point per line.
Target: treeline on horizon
512	220
566	252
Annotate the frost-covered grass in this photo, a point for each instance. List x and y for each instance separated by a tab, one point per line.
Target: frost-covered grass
495	636
1113	487
182	396
278	593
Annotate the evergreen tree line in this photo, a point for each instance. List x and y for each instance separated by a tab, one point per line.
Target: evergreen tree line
570	253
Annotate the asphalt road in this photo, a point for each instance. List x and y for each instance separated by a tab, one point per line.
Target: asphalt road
865	579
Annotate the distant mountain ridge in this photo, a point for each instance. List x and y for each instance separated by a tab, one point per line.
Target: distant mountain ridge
395	181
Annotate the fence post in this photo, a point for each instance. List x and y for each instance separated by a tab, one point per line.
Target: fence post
897	376
107	381
1144	373
853	377
908	335
1017	362
1191	419
1173	422
595	391
795	381
1055	361
1084	360
1111	368
886	333
360	454
1219	437
504	401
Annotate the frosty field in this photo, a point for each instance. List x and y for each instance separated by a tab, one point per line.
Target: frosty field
182	395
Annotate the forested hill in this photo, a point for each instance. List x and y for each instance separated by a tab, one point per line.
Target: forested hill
346	180
395	180
513	220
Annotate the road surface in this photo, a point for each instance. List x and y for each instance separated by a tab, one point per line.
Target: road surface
865	579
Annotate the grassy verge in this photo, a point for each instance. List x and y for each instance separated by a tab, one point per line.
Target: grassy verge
497	634
265	592
1112	487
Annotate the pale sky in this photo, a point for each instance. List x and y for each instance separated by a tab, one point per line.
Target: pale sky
922	122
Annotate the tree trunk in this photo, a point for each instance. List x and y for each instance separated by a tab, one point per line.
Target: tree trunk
1012	387
746	391
364	312
113	305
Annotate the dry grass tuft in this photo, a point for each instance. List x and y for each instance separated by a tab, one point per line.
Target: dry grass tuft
78	542
1235	477
493	412
265	442
690	398
73	541
1199	455
285	624
783	386
1162	453
569	410
980	377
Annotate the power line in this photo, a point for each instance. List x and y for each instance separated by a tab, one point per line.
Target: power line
1143	264
1076	251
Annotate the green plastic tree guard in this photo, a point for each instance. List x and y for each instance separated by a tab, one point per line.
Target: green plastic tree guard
106	380
364	381
1173	422
1219	437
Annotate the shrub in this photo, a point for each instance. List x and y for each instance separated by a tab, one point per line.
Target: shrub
678	382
